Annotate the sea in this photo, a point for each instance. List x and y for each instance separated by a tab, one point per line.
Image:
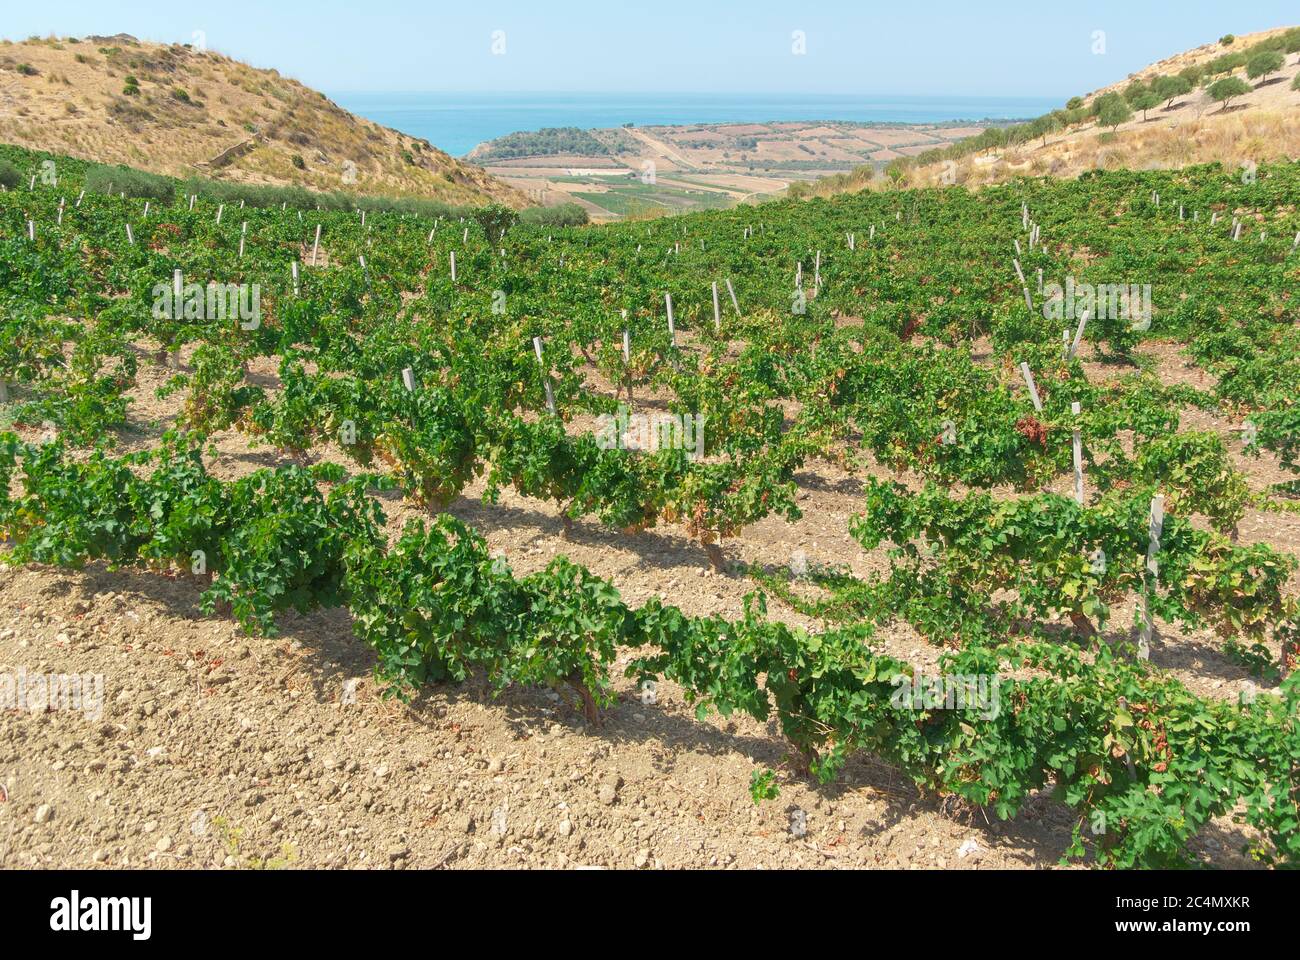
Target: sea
458	122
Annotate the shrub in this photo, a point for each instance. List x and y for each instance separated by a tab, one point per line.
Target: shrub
181	95
27	70
9	175
133	183
565	215
1227	40
298	162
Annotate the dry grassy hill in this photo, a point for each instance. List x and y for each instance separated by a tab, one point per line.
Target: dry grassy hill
1260	126
178	110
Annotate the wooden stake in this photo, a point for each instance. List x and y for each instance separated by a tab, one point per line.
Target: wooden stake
1078	457
1033	390
1078	335
546	380
1157	522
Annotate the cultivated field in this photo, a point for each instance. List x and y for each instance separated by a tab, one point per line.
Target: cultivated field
378	568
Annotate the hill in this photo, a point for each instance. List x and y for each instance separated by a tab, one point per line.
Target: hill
179	110
1184	128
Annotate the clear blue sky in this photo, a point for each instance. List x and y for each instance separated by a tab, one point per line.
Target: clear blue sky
1040	48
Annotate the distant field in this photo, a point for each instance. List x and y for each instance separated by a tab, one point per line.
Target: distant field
724	163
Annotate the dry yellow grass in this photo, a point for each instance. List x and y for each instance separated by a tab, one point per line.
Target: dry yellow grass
1263	125
70	97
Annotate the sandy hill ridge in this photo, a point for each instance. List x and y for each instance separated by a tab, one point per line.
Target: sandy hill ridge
179	110
1262	125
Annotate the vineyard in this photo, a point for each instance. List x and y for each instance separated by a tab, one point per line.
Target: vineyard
1066	412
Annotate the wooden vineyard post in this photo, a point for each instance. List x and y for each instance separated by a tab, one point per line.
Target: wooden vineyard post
130	237
296	291
453	266
627	360
243	234
1078	455
731	292
221	207
1151	576
672	332
1033	389
1078	334
315	246
546	379
717	310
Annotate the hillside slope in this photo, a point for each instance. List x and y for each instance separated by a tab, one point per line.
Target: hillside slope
179	110
1259	126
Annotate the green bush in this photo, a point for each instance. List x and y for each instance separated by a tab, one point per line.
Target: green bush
9	175
565	215
133	183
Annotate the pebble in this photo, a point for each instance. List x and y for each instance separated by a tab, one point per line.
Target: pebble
607	795
565	828
44	813
164	844
642	857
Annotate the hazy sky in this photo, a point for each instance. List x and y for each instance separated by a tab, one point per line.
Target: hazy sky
1011	47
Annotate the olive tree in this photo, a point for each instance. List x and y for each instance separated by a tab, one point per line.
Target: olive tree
1112	110
1170	89
1262	64
1223	91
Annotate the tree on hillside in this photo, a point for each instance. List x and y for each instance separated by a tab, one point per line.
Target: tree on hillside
1144	101
1192	74
1224	90
1112	110
1074	103
1134	90
1170	89
1045	125
1262	64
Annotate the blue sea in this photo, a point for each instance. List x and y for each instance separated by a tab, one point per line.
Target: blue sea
458	122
